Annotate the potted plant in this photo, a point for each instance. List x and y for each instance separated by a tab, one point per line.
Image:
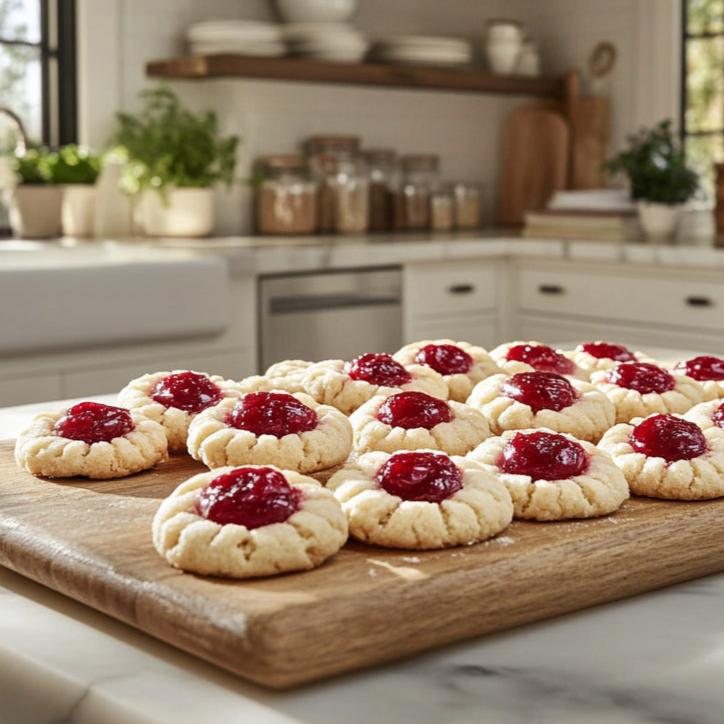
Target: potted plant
660	180
175	157
76	170
33	199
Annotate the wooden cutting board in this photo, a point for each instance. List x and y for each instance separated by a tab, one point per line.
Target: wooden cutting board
534	162
91	541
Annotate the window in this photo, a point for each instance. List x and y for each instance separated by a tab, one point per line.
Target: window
37	67
702	121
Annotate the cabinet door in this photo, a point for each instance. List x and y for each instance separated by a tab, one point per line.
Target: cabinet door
659	342
476	329
112	379
30	388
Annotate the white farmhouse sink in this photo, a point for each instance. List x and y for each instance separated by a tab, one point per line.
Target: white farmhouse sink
87	302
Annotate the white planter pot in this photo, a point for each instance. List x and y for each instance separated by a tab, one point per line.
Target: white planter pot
35	211
659	221
182	212
78	209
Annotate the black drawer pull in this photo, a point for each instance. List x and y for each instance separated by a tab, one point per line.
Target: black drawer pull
461	289
551	289
699	302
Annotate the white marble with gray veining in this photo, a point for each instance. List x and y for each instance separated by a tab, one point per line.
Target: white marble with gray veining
655	658
268	255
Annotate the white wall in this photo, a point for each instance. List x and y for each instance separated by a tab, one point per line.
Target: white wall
117	38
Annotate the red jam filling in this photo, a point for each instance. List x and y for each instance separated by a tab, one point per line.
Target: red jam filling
540	390
378	369
543	456
420	476
642	377
188	391
703	368
718	417
606	350
668	437
541	358
252	497
447	359
413	409
272	413
93	422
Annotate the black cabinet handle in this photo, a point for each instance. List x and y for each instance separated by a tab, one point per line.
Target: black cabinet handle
699	302
461	289
551	289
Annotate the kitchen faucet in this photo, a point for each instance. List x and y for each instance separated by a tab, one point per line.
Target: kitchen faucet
22	142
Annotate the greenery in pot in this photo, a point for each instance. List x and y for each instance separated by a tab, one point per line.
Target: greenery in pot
656	168
69	165
75	165
35	166
169	146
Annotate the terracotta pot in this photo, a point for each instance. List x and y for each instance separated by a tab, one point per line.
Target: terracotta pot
180	212
35	211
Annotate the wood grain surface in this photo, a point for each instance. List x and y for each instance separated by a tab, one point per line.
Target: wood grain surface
534	162
92	541
466	80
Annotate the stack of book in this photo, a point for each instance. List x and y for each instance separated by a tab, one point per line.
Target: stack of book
605	215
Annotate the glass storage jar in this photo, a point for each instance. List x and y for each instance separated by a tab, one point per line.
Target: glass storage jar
382	172
419	182
442	210
286	200
467	205
341	173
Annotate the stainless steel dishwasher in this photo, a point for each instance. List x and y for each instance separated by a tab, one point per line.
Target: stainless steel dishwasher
329	315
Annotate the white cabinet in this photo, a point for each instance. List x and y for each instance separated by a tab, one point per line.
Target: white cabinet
457	300
564	301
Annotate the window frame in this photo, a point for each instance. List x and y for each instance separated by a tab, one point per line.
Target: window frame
686	36
58	71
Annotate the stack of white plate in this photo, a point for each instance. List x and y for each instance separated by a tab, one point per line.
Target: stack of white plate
424	50
239	37
338	42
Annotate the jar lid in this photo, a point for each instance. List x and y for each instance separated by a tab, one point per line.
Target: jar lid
332	143
379	155
289	160
420	162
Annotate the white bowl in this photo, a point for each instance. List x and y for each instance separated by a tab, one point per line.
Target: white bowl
313	11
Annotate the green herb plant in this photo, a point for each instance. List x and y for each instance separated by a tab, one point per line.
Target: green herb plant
168	146
69	165
656	167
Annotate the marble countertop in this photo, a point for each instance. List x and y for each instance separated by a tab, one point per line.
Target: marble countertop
267	255
658	657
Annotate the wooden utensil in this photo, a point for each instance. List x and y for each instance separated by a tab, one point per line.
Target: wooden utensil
534	164
91	540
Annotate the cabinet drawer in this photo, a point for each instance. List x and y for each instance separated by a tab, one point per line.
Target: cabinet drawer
451	288
637	299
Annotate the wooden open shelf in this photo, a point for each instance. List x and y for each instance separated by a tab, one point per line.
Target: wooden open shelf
372	74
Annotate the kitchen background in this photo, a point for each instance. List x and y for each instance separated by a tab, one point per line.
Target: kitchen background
223	304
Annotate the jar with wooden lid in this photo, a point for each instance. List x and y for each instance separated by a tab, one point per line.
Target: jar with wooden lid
341	174
286	200
419	182
467	198
382	172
